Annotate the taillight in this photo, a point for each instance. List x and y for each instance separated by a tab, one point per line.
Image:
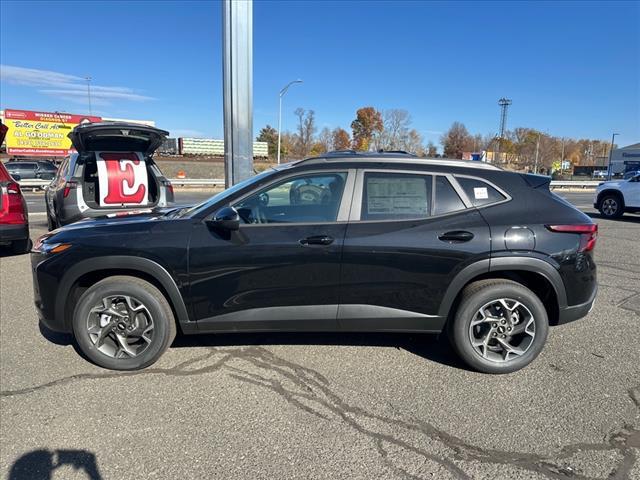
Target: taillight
67	188
169	186
588	234
12	210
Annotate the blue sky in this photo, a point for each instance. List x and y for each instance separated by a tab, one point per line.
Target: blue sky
572	69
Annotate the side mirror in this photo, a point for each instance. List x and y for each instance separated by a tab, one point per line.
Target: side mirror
226	218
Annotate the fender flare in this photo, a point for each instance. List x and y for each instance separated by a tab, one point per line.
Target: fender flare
141	264
497	264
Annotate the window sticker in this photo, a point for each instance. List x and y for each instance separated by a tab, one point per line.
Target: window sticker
390	195
480	193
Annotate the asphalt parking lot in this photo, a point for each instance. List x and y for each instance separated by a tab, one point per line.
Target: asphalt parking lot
314	406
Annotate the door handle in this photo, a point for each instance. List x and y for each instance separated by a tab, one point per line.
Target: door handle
317	240
456	236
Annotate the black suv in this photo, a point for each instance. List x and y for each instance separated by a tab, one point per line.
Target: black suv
343	242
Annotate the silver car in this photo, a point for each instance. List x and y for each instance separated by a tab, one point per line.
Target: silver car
113	171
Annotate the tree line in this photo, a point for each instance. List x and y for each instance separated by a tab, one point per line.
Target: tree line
373	130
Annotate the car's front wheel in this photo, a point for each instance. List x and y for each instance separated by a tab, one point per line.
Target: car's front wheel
123	323
500	326
611	206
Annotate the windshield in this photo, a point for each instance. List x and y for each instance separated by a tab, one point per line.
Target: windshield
227	193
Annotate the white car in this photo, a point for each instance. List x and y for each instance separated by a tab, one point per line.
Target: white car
617	197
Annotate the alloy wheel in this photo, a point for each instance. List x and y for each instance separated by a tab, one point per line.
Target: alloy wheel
609	206
120	326
502	330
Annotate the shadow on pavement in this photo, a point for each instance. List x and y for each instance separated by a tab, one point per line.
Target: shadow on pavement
41	464
626	218
429	346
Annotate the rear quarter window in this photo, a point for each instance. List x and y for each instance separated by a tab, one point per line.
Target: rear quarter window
479	192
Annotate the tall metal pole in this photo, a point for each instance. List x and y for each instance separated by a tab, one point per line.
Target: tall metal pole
88	79
562	157
280	95
237	70
610	151
504	106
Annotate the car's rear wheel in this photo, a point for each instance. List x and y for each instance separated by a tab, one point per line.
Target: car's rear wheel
123	323
500	326
611	206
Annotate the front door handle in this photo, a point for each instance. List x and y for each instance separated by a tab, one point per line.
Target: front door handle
456	236
317	240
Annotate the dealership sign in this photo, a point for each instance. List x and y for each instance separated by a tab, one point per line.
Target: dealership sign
41	133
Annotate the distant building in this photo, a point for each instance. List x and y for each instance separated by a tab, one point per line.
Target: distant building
625	159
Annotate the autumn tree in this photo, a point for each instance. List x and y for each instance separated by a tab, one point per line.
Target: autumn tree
431	150
456	140
368	123
340	139
270	135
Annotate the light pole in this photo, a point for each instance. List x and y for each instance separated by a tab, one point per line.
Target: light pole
88	79
610	151
281	94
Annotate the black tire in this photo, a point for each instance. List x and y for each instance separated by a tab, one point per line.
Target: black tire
479	294
611	206
155	302
19	247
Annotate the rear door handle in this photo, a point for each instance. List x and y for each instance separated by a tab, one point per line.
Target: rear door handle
317	240
456	236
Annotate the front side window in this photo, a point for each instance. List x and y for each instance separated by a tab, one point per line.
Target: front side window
395	196
480	193
308	198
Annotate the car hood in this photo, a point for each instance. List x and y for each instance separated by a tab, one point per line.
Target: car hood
130	217
116	137
611	183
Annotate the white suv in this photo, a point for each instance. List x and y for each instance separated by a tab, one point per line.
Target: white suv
617	197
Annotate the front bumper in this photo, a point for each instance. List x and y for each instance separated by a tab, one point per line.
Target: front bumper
575	312
10	233
45	289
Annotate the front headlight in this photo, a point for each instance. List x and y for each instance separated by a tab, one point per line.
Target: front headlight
41	246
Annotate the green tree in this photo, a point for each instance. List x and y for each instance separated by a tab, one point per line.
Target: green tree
270	135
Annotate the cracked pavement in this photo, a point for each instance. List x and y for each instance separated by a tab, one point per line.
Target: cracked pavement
328	405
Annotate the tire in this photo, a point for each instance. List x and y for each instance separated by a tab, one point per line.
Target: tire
530	321
109	353
611	206
19	247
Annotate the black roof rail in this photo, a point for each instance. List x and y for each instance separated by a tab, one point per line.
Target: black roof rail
397	152
342	152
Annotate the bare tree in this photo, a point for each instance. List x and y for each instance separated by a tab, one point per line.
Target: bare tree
325	140
306	130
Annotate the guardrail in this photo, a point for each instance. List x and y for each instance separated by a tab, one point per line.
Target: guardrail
219	182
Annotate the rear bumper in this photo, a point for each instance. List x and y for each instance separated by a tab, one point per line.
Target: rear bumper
10	233
575	312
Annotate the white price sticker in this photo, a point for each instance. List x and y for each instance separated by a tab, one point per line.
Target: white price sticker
480	193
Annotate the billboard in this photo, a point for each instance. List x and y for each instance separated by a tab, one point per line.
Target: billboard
41	133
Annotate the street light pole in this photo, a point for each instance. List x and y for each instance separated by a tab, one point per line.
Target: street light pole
280	95
610	151
88	79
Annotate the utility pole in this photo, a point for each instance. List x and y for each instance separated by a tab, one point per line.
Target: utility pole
562	157
237	84
504	106
610	152
88	79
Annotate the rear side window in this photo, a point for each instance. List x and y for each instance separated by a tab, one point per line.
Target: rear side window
480	193
395	196
447	200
